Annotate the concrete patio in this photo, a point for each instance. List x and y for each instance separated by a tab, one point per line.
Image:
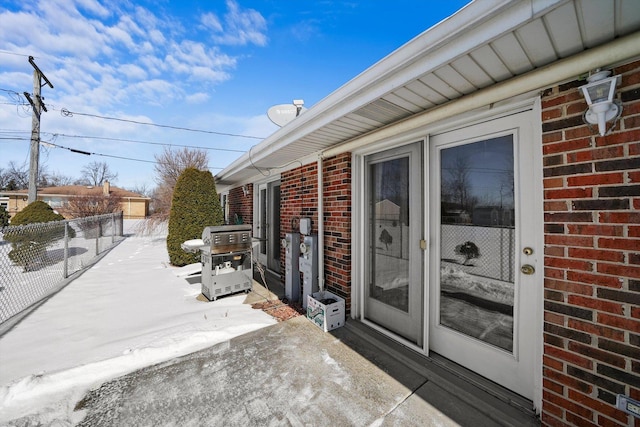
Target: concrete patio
294	374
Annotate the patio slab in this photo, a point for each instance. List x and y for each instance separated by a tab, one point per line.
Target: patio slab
290	374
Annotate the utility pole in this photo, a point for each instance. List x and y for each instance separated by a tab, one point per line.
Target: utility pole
37	106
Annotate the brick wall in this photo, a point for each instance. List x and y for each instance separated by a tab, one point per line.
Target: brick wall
241	205
299	199
592	258
337	226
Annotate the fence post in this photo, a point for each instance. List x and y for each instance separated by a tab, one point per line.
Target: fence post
98	232
113	228
65	272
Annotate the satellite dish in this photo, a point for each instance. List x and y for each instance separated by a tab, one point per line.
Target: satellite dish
283	113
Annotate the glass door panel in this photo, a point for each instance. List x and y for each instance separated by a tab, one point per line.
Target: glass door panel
389	225
477	231
394	260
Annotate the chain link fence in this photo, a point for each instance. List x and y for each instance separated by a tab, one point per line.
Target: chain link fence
493	250
37	259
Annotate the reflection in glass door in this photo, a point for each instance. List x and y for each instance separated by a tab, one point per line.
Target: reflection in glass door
393	198
477	231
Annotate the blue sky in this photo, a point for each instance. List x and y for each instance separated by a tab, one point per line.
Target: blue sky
214	66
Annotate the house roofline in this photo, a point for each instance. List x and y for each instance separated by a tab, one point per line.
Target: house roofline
479	22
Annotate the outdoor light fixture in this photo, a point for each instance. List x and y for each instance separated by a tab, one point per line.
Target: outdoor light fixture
599	94
245	190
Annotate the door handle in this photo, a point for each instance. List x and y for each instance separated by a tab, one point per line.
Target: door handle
527	269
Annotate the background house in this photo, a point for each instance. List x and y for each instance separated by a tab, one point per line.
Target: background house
133	205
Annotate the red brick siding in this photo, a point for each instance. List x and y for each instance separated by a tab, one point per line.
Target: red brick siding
241	205
299	199
337	226
592	258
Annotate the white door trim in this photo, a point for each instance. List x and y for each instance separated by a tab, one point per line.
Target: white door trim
359	210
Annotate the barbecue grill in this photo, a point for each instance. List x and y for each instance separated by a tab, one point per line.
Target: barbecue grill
226	260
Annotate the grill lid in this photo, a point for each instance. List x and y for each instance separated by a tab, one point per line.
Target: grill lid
227	238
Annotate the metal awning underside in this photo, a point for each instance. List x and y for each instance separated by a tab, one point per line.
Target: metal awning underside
482	44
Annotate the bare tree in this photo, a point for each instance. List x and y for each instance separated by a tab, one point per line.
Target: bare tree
169	166
17	176
3	179
171	163
81	206
96	173
56	179
459	182
142	189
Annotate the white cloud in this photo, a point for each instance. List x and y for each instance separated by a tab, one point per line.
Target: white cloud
121	35
155	92
241	26
197	98
156	37
133	71
304	30
94	7
133	40
112	58
211	22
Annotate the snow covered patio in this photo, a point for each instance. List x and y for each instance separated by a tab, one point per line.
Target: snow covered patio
130	343
126	312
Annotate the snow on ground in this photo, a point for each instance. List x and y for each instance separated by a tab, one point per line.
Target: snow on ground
454	279
128	311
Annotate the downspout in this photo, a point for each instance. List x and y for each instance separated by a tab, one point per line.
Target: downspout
320	226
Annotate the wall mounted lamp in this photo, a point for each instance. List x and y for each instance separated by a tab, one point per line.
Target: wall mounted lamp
245	190
599	93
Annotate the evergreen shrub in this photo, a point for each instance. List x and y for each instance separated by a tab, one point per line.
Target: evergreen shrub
29	244
194	206
468	250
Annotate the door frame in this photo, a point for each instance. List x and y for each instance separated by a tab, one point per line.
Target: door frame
529	102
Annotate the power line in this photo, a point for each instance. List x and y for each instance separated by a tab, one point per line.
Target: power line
165	144
67	113
10	91
145	142
15	138
6	52
90	153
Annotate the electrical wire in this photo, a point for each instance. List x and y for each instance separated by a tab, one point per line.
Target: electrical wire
56	135
90	153
256	167
268	169
165	144
6	52
67	113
